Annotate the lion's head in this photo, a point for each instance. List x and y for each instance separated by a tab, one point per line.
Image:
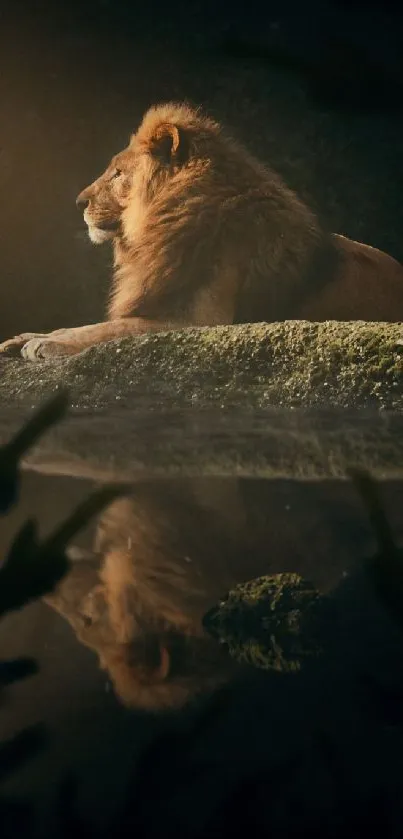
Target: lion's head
170	138
104	200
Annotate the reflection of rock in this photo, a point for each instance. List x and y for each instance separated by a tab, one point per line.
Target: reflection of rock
280	622
291	363
273	622
165	556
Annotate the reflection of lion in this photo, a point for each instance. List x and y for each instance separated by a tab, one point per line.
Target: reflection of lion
163	560
203	234
165	555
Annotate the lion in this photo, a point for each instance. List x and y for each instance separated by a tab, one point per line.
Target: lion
204	234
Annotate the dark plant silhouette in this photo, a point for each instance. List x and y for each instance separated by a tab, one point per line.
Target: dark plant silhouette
31	569
12	453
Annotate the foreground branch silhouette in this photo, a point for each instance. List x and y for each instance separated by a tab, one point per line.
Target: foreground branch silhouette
31	569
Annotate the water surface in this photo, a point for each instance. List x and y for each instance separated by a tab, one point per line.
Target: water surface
214	498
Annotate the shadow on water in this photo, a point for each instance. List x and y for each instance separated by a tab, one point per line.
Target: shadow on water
123	633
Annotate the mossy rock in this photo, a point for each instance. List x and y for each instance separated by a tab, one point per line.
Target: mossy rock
272	622
272	398
293	363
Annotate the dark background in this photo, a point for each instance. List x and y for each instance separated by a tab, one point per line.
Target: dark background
314	89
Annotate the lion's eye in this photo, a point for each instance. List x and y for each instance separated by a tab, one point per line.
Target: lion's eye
117	173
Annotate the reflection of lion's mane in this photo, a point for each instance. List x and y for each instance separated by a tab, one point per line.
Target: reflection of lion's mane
159	581
164	561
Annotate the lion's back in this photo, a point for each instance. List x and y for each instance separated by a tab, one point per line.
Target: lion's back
368	286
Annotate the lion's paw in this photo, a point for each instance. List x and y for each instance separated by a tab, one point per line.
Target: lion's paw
13	346
41	348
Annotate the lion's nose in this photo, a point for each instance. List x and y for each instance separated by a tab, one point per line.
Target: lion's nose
82	202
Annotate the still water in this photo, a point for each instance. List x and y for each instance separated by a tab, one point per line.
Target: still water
213	500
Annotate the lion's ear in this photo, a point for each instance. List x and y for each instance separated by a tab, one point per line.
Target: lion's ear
169	144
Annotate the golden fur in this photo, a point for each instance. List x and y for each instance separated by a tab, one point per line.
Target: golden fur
161	559
204	234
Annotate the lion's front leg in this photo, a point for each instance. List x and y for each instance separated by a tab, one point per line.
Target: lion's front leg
62	342
16	345
36	346
13	346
